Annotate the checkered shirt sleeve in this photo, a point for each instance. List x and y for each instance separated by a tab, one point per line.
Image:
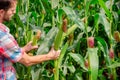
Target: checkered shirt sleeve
10	47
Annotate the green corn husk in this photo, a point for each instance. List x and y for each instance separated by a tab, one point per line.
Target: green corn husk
36	37
34	40
58	39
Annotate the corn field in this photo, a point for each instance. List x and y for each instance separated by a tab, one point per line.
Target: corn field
86	31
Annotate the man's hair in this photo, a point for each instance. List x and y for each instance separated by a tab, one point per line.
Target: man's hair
5	4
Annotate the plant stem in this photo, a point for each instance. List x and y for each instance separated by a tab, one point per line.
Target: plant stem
27	35
53	20
85	18
111	21
43	12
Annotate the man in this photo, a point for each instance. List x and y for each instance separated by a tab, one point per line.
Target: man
10	52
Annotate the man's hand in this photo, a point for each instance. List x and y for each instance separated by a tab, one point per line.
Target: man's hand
29	47
53	54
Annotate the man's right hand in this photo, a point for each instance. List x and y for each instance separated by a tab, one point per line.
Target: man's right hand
53	54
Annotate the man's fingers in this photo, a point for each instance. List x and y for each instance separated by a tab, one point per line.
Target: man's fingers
58	53
30	42
52	48
35	47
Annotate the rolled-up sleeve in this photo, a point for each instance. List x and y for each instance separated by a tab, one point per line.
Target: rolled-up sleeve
11	50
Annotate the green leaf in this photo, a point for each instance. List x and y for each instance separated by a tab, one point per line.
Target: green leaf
70	30
64	48
93	1
96	17
118	5
93	63
103	20
104	47
35	74
78	76
43	8
49	38
114	65
102	4
60	14
71	68
72	15
54	3
76	43
79	59
18	20
88	3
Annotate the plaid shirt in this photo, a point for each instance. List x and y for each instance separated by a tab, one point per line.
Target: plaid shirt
10	52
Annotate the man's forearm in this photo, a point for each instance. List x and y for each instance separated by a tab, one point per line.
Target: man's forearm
31	60
39	58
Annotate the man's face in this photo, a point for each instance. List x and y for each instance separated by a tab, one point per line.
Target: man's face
10	12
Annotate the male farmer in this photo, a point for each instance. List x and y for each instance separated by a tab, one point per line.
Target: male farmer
10	52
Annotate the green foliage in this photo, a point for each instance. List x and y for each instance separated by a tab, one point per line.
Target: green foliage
86	18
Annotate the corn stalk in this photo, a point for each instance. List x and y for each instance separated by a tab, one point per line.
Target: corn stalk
92	52
57	44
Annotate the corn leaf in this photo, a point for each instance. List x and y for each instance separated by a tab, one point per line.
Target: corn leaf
54	3
35	74
114	65
88	3
103	20
79	59
78	76
43	8
71	68
62	54
102	4
70	30
104	47
73	16
49	38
